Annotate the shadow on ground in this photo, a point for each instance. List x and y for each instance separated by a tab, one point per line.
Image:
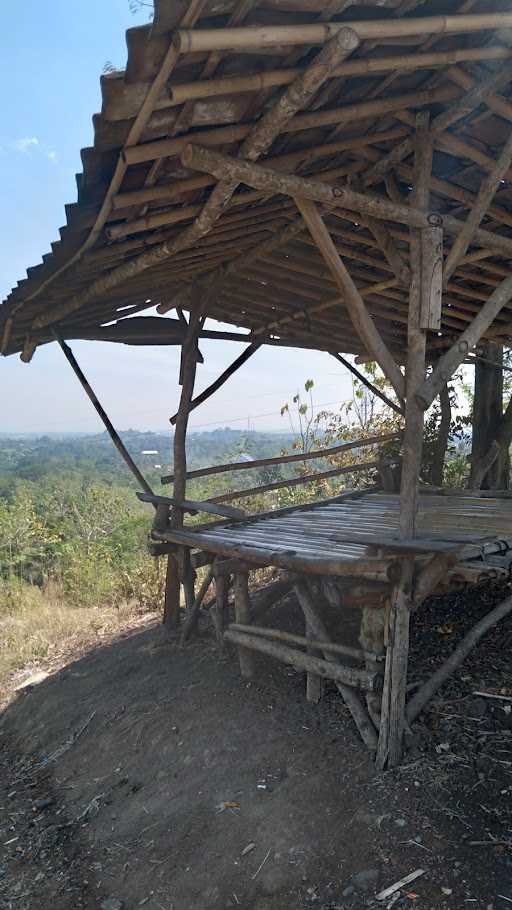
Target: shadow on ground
151	776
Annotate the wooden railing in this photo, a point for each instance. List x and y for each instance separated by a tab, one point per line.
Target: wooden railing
287	459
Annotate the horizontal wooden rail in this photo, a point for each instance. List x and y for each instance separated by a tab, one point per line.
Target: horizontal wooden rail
361	679
330	646
191	505
371	568
297	481
286	459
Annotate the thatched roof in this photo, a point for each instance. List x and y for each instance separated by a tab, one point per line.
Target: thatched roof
202	73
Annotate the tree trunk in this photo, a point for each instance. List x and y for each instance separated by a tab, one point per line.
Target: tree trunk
443	436
487	417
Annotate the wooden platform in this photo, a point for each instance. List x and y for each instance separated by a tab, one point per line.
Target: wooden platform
327	536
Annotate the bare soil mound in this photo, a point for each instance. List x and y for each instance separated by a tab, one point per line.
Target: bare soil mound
142	775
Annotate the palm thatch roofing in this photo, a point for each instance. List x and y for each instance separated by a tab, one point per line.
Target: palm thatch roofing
209	72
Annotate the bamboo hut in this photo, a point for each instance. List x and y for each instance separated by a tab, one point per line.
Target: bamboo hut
326	175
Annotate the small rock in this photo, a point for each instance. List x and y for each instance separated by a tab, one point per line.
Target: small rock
400	822
112	903
365	880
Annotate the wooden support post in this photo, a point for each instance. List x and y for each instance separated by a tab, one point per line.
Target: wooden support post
353	702
363	322
182	562
232	368
395	680
243	615
430	687
221	610
193	615
171	617
314	683
371	639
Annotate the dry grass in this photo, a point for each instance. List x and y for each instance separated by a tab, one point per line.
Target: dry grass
40	630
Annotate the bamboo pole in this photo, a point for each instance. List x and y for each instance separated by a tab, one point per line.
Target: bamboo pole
228	85
353	702
370	568
346	114
362	321
328	669
369	385
259	37
243	616
298	481
111	430
395	679
187	377
460	108
288	459
430	687
329	647
224	376
193	616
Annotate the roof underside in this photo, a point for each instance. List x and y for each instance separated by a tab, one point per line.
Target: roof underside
134	192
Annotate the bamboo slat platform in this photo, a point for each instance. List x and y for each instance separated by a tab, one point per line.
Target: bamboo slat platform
324	538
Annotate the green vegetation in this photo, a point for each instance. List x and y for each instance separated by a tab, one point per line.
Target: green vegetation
74	562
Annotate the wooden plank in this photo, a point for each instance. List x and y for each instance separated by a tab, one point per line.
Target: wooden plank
191	505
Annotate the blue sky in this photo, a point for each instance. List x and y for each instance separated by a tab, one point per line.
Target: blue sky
50	63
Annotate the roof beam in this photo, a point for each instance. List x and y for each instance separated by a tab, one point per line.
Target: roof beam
456	111
336	197
233	39
259	140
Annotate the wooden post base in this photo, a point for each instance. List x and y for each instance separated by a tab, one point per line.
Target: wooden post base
171	617
243	615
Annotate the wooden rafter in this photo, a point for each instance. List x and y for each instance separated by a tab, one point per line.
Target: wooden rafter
298	94
363	322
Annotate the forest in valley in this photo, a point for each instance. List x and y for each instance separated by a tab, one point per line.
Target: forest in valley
74	559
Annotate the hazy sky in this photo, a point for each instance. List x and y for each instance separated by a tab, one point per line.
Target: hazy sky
50	62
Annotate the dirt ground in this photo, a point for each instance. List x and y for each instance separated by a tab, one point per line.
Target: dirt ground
143	775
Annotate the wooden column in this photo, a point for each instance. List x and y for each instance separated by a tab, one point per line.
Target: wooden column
389	750
243	616
178	566
314	683
221	609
